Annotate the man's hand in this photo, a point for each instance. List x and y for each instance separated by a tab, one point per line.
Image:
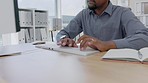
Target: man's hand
88	41
67	42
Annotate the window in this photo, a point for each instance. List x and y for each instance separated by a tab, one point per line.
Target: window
39	4
70	8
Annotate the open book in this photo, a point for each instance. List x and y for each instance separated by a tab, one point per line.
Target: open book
72	50
127	54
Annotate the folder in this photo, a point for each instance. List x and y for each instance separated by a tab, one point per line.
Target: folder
37	18
21	36
28	20
22	18
31	34
27	37
38	34
41	19
25	18
44	34
45	19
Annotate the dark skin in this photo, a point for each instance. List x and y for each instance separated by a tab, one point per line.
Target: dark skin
87	41
98	5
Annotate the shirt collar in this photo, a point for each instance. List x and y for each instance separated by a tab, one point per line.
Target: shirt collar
108	10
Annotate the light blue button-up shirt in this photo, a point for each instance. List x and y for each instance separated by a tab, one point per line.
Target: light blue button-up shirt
116	23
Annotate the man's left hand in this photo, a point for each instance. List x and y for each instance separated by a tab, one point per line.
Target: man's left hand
88	41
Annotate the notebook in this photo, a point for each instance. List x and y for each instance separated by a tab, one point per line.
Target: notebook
8	51
16	49
71	50
127	54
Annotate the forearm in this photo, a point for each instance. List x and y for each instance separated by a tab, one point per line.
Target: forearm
136	35
135	42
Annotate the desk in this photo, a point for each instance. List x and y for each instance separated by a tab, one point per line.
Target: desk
44	66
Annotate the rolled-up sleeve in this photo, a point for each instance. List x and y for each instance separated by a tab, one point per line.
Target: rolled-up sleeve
136	32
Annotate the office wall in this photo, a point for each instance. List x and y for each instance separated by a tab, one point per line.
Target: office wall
7	17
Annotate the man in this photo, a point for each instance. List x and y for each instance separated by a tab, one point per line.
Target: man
105	26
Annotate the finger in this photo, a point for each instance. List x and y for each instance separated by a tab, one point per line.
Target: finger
91	44
84	44
64	42
75	45
70	42
94	44
82	38
84	41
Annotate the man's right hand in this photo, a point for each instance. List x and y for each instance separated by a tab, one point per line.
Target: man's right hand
67	42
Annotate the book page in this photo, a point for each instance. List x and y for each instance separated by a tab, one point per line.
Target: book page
144	52
122	54
72	50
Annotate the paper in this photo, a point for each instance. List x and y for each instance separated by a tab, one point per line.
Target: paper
16	49
8	50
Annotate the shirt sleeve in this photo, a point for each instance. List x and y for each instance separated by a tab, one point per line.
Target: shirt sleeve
136	32
73	28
